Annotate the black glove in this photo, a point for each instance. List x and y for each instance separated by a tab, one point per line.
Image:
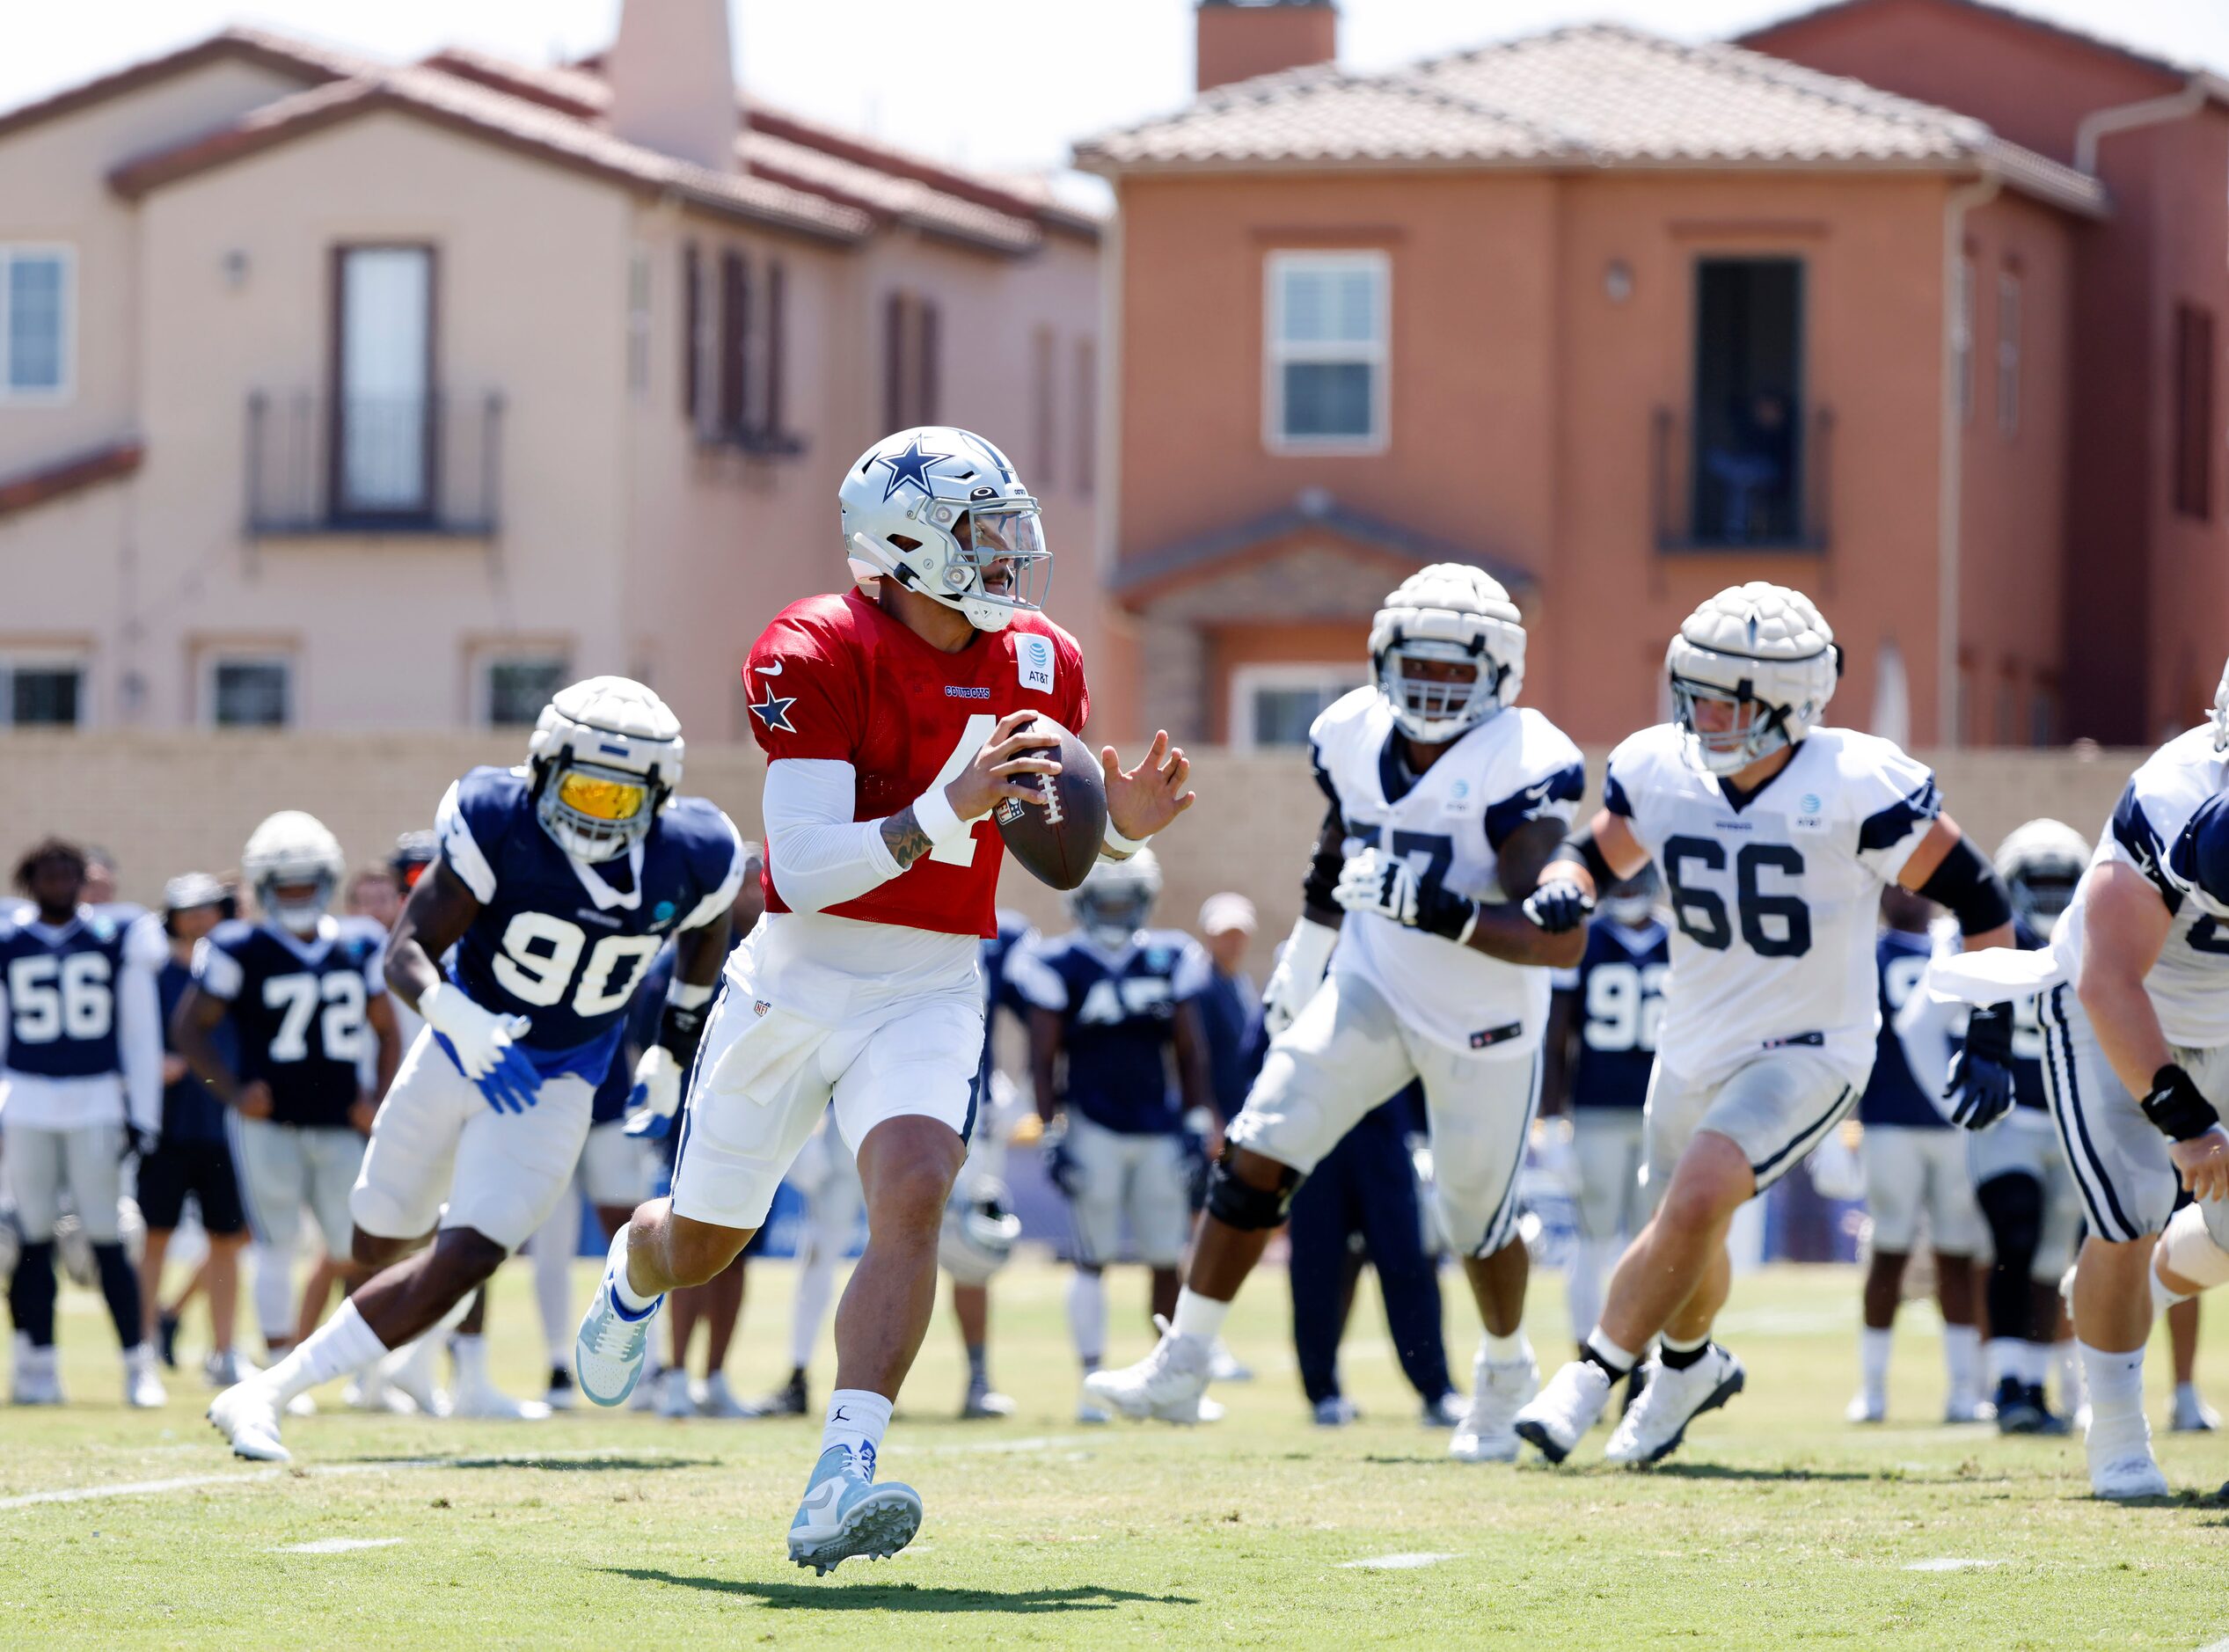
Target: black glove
682	1030
137	1143
1557	905
1981	1073
2175	1106
1061	1168
1195	1169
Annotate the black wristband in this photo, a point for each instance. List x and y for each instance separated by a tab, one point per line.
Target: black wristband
1579	849
2175	1107
681	1030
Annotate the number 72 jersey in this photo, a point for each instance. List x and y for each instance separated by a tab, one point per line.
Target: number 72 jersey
1775	899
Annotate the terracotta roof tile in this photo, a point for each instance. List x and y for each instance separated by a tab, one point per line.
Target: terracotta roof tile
905	200
312	63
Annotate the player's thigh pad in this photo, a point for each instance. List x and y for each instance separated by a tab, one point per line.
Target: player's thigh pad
1342	1056
1778	1109
735	1146
1955	1227
274	1179
34	1160
1894	1172
1606	1143
1103	1159
1480	1111
1160	1202
407	1164
615	1166
512	1168
2119	1160
917	1059
334	1155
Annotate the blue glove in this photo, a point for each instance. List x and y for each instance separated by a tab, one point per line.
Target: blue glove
1980	1090
512	1085
1557	905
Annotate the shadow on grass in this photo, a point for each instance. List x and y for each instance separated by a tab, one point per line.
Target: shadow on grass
905	1597
558	1464
1792	1475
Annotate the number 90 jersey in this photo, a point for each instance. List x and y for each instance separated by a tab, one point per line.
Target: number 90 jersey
1775	902
1448	823
562	943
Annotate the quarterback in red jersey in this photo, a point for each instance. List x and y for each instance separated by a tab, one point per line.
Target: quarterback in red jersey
893	723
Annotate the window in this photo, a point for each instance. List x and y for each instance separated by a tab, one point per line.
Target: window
911	329
1044	417
382	409
1085	423
1962	339
733	365
515	688
2008	354
734	338
1749	456
1328	325
638	322
2194	432
695	335
1273	705
35	322
41	692
251	692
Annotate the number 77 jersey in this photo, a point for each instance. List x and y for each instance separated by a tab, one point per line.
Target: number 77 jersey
1776	896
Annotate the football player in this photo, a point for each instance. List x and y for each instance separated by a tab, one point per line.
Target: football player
894	722
1113	1007
1774	835
1915	1163
81	1086
1446	799
556	883
1601	1044
306	1003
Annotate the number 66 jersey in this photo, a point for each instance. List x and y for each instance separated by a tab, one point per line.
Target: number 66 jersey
1775	895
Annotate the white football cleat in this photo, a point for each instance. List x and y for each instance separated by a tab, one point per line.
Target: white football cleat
1964	1408
2121	1461
223	1368
720	1401
2192	1413
675	1400
1498	1388
142	1384
409	1372
845	1514
1166	1385
1090	1412
613	1345
38	1380
1655	1424
1558	1417
247	1414
1223	1365
1866	1406
483	1401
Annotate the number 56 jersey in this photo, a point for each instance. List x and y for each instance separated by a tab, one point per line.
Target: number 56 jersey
1448	823
1775	895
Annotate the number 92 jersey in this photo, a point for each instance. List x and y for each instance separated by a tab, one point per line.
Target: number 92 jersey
1775	900
562	943
1448	823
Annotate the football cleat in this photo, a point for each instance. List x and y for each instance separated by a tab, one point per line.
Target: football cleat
613	1344
1558	1417
1091	1414
560	1395
2121	1461
142	1386
2192	1414
1962	1408
674	1401
223	1368
1444	1412
1867	1404
845	1514
1166	1385
720	1401
1336	1411
2020	1409
1223	1366
483	1401
789	1400
38	1380
983	1402
1653	1427
1498	1388
247	1414
167	1338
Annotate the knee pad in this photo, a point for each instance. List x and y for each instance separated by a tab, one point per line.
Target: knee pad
1249	1210
2190	1251
2014	1208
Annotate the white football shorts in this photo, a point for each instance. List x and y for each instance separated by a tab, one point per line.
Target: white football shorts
1911	1171
1776	1109
284	1168
1140	1179
2025	1144
1612	1201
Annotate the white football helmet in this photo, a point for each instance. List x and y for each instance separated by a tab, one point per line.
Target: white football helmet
977	1238
940	510
1449	613
605	755
1761	650
292	850
2041	862
1117	897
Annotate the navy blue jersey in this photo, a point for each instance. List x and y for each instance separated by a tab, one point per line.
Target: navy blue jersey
1118	1013
1892	1095
1619	984
190	1112
299	1009
566	944
998	993
61	994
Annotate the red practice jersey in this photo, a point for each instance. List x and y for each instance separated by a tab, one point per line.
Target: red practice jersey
835	677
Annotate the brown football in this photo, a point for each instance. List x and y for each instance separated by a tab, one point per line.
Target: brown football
1057	837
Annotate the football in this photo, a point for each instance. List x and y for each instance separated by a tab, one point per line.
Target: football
1057	837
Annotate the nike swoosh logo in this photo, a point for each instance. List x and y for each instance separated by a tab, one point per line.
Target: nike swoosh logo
774	669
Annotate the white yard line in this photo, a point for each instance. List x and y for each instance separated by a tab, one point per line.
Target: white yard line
134	1488
189	1482
1031	1443
336	1545
1948	1564
1396	1562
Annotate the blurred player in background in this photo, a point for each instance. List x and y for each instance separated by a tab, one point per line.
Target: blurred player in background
1231	1007
1446	800
1601	1047
81	1089
1775	835
1118	1059
1915	1167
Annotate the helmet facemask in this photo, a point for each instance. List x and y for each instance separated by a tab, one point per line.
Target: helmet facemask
296	904
2041	891
1436	689
1728	730
596	812
940	511
1117	897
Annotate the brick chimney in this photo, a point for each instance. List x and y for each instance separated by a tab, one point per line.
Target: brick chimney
673	86
1240	39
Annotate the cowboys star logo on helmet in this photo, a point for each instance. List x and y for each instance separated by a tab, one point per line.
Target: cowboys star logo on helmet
940	510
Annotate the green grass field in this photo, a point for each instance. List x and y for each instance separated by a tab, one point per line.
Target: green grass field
1778	1524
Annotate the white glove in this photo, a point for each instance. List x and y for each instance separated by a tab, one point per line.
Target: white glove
482	1042
657	1096
1299	972
1372	882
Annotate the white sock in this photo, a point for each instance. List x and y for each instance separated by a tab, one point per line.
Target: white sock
2115	1382
2073	1390
1198	1316
856	1420
1961	1357
471	1354
1087	1316
342	1344
554	1246
1619	1360
1504	1351
816	1289
1873	1358
615	1268
2186	1394
2007	1356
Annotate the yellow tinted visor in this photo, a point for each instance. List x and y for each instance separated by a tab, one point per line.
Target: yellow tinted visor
598	798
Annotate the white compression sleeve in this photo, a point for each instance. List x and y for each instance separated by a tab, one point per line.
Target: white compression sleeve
820	856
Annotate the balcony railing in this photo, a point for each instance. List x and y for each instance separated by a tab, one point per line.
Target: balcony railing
1760	489
428	463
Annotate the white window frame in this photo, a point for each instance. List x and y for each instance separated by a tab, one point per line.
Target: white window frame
485	659
1378	354
2010	301
67	389
1248	680
38	659
213	658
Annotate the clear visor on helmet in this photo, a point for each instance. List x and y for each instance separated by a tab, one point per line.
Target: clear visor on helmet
1731	730
2042	894
1432	681
1002	554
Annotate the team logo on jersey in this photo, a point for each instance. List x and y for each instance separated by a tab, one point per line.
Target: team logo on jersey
773	711
1033	661
953	692
1486	1038
662	914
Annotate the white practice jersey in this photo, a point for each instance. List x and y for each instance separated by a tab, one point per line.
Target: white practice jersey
1448	823
1775	903
2190	985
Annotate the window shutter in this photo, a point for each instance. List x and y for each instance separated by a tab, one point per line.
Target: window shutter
771	409
926	386
1086	387
692	323
735	332
894	401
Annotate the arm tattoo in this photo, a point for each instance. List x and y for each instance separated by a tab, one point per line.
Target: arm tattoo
903	837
